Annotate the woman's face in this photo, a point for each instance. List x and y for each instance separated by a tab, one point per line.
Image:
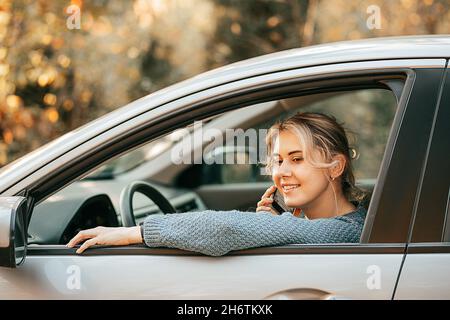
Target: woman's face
301	184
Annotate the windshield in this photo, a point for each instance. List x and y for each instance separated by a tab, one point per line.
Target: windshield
137	157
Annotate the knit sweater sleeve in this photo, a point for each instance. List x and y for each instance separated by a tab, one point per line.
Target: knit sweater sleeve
216	233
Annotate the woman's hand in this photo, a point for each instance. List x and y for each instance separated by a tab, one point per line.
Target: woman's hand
265	204
106	236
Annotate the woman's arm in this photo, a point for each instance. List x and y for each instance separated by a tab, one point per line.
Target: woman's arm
217	232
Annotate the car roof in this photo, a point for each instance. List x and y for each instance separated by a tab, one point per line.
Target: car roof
411	47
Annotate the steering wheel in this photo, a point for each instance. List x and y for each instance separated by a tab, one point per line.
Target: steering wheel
126	201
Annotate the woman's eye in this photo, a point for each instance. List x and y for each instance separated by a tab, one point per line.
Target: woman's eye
297	159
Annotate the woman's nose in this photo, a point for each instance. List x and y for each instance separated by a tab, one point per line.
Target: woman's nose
284	169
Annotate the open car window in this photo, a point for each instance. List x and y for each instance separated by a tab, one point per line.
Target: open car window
94	200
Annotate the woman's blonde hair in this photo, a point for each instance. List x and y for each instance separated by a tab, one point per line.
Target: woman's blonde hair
323	133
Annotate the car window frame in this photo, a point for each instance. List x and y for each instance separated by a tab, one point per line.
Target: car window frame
387	70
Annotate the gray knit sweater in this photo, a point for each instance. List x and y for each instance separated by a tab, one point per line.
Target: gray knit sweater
216	233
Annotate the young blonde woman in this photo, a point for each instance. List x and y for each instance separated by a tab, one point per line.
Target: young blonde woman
309	159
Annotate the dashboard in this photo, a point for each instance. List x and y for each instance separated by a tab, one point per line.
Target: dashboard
94	212
88	204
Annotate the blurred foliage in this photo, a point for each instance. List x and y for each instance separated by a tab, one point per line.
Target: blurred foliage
250	28
54	79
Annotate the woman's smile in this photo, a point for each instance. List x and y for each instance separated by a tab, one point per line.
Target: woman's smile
289	187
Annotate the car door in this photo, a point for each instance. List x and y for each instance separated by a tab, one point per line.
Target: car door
368	270
425	270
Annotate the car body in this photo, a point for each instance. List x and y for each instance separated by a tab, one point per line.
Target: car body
404	248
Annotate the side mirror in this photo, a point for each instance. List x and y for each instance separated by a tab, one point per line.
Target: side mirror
12	231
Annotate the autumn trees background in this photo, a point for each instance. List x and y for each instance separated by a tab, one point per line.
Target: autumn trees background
54	79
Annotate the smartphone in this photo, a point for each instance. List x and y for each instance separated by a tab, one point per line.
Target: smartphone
278	203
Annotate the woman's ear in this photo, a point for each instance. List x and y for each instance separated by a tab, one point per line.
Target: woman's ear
337	169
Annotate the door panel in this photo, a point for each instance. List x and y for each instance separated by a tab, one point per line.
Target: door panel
425	276
200	277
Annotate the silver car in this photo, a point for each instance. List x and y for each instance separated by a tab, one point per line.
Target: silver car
394	93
